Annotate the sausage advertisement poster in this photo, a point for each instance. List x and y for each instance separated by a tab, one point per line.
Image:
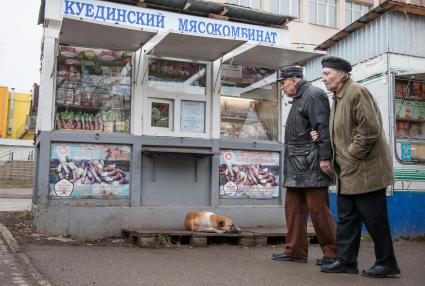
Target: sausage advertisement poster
89	171
245	174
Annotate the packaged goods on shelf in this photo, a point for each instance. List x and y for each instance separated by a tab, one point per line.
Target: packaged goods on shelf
405	109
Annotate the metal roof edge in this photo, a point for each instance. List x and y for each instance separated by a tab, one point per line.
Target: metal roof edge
210	9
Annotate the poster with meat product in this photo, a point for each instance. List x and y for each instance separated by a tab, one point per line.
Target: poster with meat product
246	174
89	171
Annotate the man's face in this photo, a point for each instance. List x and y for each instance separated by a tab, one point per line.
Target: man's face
332	78
289	86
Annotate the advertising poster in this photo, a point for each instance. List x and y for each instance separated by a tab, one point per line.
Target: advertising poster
249	175
89	171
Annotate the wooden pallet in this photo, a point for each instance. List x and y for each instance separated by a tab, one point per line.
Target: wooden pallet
248	237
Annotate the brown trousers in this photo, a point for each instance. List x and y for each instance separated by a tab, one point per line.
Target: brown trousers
299	202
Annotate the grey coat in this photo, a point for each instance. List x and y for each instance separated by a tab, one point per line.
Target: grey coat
310	110
362	161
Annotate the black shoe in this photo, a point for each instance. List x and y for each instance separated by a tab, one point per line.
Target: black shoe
284	257
325	260
377	271
338	267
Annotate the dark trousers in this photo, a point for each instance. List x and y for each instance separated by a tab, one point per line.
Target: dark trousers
371	209
299	202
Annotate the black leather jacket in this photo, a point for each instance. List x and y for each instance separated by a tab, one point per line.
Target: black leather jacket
310	110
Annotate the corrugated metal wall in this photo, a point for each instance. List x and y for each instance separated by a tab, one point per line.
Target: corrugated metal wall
407	34
394	32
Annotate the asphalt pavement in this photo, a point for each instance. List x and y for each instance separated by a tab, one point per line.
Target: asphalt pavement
15	199
12	270
213	265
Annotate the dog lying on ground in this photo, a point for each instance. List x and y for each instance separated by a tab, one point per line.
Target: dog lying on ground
204	221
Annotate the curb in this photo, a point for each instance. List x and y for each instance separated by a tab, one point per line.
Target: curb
15	248
15	196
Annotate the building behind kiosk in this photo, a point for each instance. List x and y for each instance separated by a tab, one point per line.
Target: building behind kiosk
146	114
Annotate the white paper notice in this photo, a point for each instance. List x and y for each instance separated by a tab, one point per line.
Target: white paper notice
192	116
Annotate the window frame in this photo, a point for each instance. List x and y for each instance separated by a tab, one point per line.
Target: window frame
151	95
238	2
279	7
327	6
351	10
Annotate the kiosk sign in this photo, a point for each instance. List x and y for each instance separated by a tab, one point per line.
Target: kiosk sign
139	17
246	174
89	171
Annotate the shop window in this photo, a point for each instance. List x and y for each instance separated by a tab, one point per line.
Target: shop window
323	12
286	7
410	120
161	113
93	90
174	76
178	98
353	11
249	103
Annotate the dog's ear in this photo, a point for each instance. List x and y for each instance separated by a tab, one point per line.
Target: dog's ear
221	223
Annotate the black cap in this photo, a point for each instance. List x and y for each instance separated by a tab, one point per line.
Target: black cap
290	72
336	63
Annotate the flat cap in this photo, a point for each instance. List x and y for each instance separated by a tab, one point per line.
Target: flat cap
336	63
289	72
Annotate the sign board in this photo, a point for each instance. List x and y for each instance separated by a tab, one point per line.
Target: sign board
192	116
89	171
163	21
249	175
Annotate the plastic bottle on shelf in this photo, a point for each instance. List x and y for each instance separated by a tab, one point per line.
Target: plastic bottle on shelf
108	124
57	121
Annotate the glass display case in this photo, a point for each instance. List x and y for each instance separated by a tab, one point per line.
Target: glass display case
177	76
249	101
93	90
410	120
177	98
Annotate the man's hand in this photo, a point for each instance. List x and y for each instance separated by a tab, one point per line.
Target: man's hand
326	167
314	135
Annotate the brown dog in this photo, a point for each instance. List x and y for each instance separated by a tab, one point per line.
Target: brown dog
204	221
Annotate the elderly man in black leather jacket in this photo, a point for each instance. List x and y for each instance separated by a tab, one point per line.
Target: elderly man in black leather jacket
307	169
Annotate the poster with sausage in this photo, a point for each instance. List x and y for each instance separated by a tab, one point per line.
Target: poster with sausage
247	174
89	171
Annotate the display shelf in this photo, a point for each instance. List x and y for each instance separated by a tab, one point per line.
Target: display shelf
89	108
233	118
411	120
410	140
411	99
79	107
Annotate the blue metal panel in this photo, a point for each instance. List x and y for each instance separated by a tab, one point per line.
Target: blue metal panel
406	212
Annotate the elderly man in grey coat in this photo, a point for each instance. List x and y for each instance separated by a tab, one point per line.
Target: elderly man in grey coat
363	164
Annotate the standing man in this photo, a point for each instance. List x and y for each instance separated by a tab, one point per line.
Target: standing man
307	169
363	165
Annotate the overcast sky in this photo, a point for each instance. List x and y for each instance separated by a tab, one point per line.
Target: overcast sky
20	39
